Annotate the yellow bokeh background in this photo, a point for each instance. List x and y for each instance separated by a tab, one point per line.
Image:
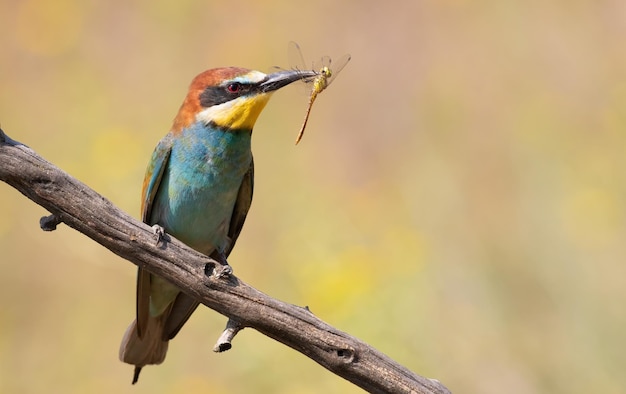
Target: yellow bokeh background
458	200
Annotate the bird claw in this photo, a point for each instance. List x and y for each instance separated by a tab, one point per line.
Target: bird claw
220	268
222	271
159	233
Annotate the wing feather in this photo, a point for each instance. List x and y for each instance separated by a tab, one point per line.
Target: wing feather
151	183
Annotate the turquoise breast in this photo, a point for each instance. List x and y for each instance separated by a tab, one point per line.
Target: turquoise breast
200	184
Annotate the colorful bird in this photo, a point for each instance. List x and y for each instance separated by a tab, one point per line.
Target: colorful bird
198	188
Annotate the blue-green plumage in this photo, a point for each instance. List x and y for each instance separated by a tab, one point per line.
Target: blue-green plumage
203	169
200	184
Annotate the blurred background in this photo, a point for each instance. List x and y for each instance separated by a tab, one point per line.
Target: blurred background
457	202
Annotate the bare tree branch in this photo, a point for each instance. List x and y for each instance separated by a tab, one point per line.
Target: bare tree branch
75	204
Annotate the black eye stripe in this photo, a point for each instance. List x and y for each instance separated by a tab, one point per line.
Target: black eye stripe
215	95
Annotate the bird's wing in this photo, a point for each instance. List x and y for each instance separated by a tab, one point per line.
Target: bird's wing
154	173
184	305
242	206
151	182
181	311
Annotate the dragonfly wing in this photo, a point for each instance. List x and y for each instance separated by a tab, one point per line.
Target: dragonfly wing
296	60
337	67
324	61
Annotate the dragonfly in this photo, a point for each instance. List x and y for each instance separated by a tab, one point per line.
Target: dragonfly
326	73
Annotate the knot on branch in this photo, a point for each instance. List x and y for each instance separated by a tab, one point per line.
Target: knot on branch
49	223
345	355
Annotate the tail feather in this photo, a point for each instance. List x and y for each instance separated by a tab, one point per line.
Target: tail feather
149	349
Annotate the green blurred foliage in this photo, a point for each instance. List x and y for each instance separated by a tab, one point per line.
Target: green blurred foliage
458	200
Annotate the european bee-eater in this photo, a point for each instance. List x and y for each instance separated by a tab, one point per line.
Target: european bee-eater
198	188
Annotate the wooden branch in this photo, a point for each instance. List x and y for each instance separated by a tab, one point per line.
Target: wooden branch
75	204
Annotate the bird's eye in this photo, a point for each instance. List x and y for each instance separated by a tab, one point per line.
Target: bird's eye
234	87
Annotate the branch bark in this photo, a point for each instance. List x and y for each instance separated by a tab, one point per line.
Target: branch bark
78	206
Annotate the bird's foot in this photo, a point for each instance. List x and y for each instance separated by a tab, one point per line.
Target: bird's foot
159	233
222	271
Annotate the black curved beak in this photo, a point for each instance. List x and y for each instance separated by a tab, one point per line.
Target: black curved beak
281	79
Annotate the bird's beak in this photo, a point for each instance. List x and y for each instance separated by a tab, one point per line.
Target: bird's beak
281	79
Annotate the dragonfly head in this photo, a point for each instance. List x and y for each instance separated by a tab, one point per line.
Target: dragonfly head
326	72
